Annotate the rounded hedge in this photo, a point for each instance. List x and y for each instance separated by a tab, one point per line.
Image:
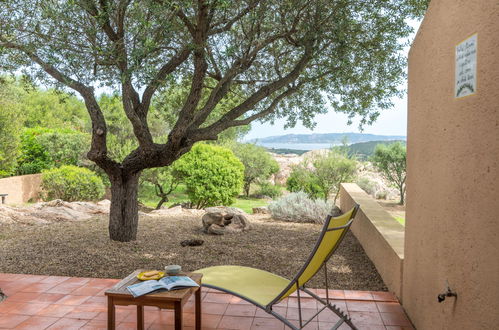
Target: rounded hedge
213	175
71	183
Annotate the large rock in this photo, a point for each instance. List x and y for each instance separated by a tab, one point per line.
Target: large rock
221	220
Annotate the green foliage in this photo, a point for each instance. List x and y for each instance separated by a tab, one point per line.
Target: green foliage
9	130
34	156
43	148
301	178
71	183
331	170
322	175
259	165
163	180
390	160
268	189
363	150
212	174
367	185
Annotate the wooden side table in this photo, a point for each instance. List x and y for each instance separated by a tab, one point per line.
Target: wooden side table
175	299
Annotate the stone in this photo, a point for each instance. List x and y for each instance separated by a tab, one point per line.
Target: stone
222	220
261	210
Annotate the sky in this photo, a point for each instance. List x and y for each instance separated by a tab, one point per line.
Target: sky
390	122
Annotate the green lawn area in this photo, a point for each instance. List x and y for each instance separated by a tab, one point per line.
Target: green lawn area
149	198
401	220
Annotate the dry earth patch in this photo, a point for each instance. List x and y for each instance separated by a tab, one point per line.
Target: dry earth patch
83	248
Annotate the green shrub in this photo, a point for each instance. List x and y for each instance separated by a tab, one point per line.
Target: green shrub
367	185
268	189
298	207
302	179
212	175
71	183
44	148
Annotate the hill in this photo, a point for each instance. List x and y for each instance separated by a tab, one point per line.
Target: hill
330	138
364	150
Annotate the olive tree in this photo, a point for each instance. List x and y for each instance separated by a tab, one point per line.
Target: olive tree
390	160
290	58
259	165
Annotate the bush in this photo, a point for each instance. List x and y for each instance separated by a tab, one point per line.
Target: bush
367	185
302	179
44	148
268	189
298	207
213	175
71	183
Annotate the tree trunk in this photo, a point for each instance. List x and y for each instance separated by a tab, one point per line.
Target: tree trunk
124	212
402	193
247	188
161	202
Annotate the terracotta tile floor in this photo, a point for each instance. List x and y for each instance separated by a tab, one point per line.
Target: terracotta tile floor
57	302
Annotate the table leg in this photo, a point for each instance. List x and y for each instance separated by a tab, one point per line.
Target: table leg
110	314
198	309
178	315
140	317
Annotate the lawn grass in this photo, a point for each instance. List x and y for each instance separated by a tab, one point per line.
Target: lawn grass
148	197
401	220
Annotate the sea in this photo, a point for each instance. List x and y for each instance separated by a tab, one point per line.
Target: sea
296	146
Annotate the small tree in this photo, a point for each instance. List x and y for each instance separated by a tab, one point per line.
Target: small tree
322	175
164	182
259	165
302	179
212	175
331	170
390	160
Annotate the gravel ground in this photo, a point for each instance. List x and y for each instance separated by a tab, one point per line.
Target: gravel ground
82	248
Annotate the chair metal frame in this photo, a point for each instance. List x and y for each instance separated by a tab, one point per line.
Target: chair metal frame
344	318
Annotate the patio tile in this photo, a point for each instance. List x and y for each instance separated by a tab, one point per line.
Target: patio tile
358	295
384	296
64	288
240	310
86	291
24	296
389	307
292	313
72	300
96	301
26	308
237	300
48	297
85	312
309	326
55	310
396	327
213	308
361	306
95	325
127	326
235	322
328	316
305	302
38	287
217	298
77	281
65	323
54	279
395	319
266	323
37	322
10	321
366	318
261	313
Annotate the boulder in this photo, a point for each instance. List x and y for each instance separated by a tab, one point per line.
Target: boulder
261	210
222	220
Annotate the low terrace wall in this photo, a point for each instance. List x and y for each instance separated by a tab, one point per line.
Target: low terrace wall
21	189
381	236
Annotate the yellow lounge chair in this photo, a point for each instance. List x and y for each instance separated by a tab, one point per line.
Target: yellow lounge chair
265	289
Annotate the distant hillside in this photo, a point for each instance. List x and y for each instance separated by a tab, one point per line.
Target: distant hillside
331	138
364	150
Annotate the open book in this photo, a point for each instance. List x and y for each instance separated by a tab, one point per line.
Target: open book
166	283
